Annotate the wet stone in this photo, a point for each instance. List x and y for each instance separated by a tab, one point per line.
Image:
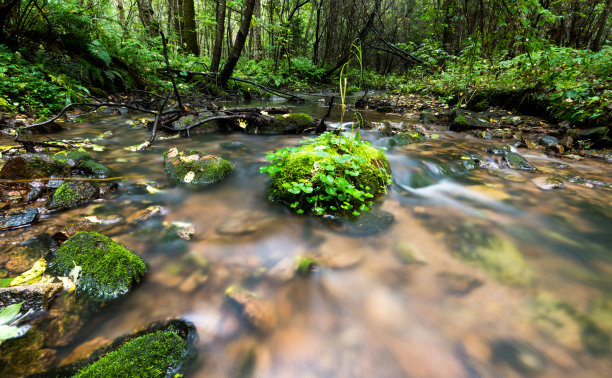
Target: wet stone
549	183
234	146
548	141
35	298
18	218
144	215
243	223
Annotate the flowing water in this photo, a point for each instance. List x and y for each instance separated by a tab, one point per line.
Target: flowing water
481	272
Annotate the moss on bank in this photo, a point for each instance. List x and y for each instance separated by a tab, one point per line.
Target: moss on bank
108	269
153	355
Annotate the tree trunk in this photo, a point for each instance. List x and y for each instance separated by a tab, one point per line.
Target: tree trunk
147	17
601	25
257	31
191	34
121	10
241	37
219	32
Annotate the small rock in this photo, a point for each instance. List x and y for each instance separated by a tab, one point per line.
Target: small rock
549	183
146	214
18	218
192	282
567	142
73	194
548	141
243	223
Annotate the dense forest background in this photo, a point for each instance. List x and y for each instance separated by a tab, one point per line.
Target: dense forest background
556	53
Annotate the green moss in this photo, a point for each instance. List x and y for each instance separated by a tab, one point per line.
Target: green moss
47	167
206	169
305	265
333	174
78	156
64	195
97	169
153	355
461	121
108	269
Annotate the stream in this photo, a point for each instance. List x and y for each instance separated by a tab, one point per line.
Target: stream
468	273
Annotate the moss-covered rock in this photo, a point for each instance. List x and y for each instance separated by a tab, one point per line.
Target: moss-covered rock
153	355
332	174
193	167
463	120
511	159
108	269
73	157
97	169
73	194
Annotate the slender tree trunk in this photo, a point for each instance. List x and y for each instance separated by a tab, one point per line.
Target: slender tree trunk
121	10
191	34
147	17
241	37
257	31
601	25
219	32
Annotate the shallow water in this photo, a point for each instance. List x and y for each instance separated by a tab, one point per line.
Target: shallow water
537	305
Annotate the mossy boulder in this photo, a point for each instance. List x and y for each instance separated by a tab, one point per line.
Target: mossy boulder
152	355
108	269
194	167
73	194
332	174
30	166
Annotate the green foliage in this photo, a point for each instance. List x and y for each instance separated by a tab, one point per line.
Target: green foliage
109	269
330	174
152	355
8	318
571	84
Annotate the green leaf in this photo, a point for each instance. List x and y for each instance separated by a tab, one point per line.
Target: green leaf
6	281
9	313
8	332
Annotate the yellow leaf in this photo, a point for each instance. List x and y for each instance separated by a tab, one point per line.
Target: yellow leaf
31	276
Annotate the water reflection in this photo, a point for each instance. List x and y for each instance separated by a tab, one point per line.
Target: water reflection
479	272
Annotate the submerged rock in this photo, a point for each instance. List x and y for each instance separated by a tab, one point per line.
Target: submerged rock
405	138
494	254
457	283
193	167
18	218
549	183
257	312
408	254
520	356
367	224
108	269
